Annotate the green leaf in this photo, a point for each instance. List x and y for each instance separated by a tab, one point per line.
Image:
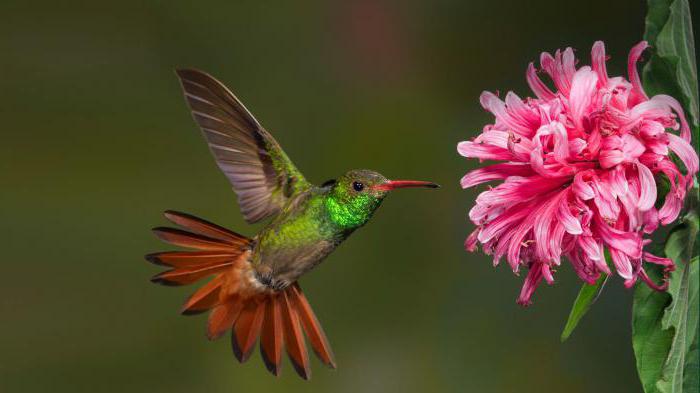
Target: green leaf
665	324
586	297
672	68
657	15
680	368
681	316
651	343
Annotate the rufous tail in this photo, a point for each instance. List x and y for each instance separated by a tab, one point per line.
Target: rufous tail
236	300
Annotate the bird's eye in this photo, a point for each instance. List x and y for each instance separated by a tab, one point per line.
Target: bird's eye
357	186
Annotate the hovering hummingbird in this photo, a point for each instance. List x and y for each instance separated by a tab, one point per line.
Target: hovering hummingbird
254	289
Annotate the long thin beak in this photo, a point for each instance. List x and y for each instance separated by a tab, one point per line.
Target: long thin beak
394	184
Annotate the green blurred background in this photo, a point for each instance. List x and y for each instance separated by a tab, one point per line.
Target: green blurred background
96	143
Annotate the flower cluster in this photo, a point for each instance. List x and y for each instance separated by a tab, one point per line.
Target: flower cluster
579	171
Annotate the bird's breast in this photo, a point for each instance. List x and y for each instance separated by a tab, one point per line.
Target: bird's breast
295	243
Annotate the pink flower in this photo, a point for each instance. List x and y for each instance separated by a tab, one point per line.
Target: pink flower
579	169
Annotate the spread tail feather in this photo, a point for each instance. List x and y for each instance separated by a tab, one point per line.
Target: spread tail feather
312	327
238	303
272	335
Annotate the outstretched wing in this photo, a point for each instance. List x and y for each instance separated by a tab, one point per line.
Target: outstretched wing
260	172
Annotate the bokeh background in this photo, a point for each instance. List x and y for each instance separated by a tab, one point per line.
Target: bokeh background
96	143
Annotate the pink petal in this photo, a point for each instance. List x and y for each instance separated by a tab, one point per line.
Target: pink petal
650	220
583	88
519	232
568	63
519	146
483	151
657	108
576	146
556	243
634	56
622	263
582	188
598	62
618	181
658	260
632	147
570	223
505	221
542	227
651	129
610	158
471	242
536	85
670	209
605	200
661	288
630	203
556	69
495	172
611	142
628	242
593	251
493	104
547	274
553	67
532	281
519	190
522	113
647	185
676	106
685	152
584	268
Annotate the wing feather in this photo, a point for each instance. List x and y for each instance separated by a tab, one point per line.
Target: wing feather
261	174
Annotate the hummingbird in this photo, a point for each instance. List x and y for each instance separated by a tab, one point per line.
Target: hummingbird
253	289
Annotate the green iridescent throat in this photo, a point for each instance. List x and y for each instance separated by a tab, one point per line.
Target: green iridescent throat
350	212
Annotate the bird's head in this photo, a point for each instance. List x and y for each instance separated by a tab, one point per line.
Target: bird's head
354	196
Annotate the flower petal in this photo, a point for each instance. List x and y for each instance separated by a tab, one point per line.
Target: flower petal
583	89
532	281
628	242
684	151
634	56
647	188
483	151
536	85
495	172
570	223
598	62
676	106
622	263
